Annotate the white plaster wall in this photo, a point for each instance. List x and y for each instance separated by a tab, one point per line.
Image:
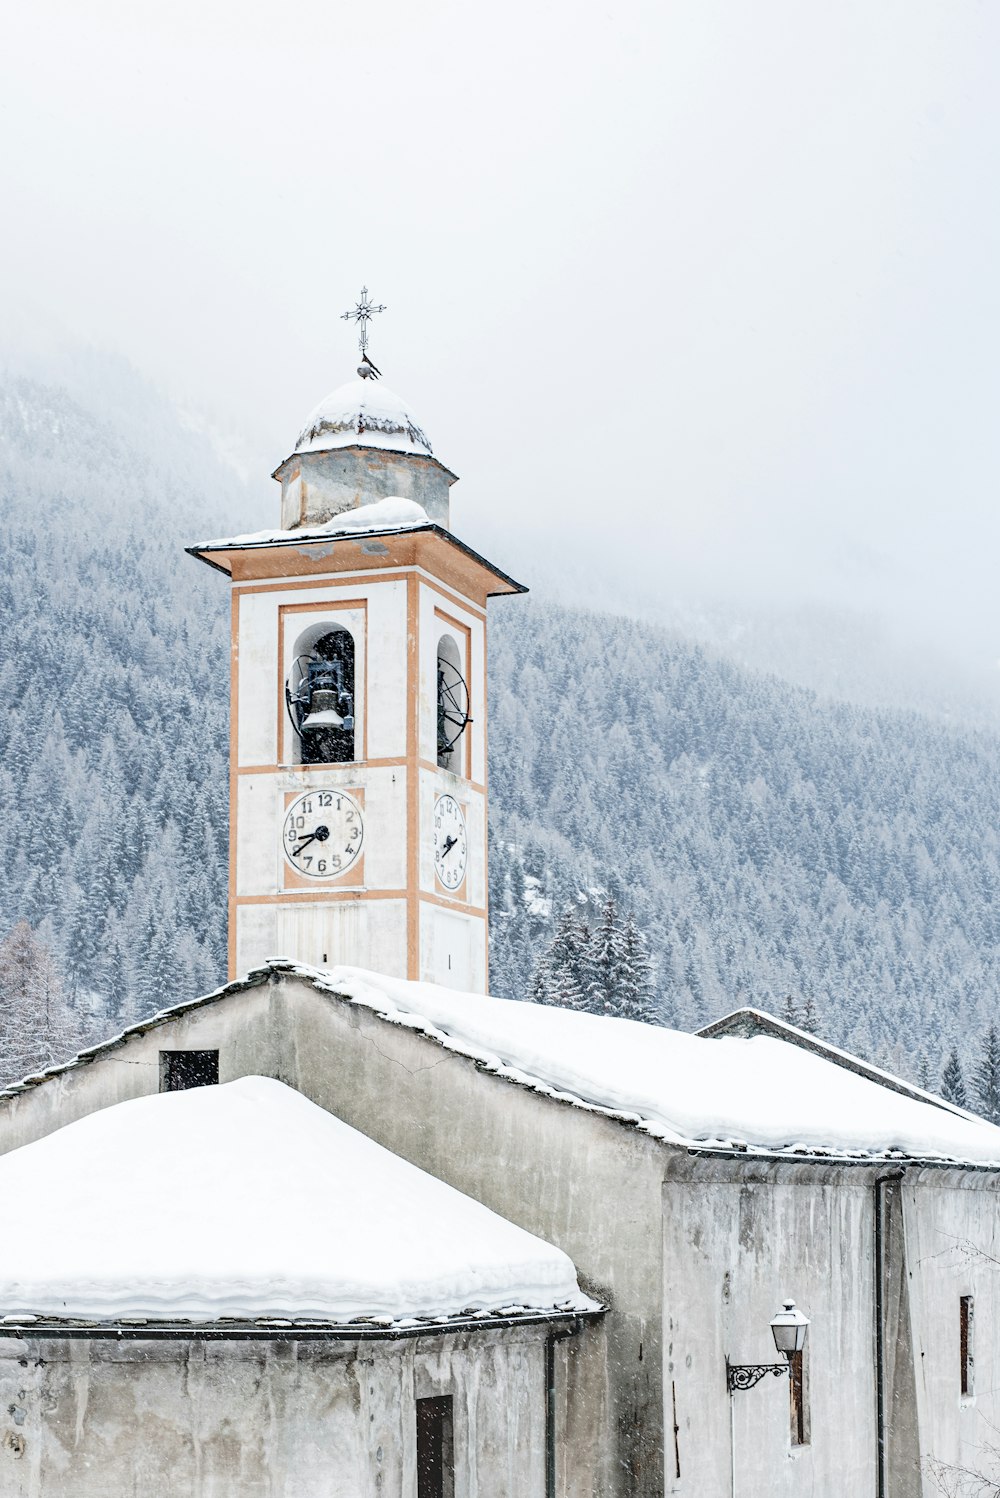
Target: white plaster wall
99	1419
453	949
733	1249
257	665
352	931
256	935
387	668
953	1249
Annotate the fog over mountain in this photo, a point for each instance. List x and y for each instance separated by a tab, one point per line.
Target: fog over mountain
770	840
708	322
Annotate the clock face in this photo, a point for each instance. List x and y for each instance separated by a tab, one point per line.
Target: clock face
451	842
323	833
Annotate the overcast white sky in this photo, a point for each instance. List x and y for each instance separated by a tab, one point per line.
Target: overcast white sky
710	287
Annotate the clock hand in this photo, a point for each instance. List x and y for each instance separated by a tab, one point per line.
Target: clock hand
449	843
320	836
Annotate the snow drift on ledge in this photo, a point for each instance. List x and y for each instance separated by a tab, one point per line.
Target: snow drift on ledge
760	1093
391	513
248	1200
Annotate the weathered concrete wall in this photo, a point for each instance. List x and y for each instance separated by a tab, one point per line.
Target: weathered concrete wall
574	1177
952	1225
738	1239
317	486
99	1419
244	1030
695	1254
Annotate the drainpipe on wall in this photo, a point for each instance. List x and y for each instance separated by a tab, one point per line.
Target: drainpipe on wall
881	1476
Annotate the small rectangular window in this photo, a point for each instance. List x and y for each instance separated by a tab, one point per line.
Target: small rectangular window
435	1448
965	1329
180	1070
798	1378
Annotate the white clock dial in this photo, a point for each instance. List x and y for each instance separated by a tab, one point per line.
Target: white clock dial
451	842
323	833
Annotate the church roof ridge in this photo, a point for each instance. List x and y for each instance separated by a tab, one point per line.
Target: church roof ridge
356	986
747	1022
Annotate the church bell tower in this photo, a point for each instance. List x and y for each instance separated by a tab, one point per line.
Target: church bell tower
358	698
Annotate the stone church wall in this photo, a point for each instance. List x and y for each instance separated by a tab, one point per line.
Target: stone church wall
738	1239
693	1253
106	1419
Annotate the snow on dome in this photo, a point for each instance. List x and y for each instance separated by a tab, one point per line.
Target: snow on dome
363	413
759	1093
248	1200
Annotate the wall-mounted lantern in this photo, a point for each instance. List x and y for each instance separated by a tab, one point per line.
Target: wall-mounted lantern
788	1328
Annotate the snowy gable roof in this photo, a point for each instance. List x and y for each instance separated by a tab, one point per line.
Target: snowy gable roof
363	413
755	1093
247	1200
759	1094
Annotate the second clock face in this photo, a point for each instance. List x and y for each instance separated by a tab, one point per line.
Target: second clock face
451	842
323	833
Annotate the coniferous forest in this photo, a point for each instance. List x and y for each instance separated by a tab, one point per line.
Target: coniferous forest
754	844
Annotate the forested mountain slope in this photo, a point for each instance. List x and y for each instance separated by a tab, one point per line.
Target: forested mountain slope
113	698
768	843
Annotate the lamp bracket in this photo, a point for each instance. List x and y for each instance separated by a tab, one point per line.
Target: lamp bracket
746	1375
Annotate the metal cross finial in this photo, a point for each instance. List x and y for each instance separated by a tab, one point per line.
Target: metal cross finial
362	313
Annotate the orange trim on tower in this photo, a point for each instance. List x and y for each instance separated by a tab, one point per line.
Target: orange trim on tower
413	776
234	707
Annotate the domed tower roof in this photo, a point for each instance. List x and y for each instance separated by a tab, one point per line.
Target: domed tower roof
363	413
360	445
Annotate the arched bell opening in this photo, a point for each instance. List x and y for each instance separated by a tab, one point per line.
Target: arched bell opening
319	693
452	705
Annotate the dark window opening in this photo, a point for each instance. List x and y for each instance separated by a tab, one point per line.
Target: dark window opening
452	705
798	1379
435	1448
320	697
180	1070
965	1325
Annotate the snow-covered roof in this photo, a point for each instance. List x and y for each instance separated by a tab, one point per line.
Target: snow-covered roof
391	514
759	1094
363	413
247	1200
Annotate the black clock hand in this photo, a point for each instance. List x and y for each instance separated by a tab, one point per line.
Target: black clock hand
449	843
320	836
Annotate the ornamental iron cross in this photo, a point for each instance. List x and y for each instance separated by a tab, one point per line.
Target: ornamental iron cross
362	313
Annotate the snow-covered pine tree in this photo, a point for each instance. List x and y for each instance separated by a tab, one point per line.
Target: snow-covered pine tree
632	983
36	1025
808	1019
562	973
607	957
952	1081
790	1011
986	1078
